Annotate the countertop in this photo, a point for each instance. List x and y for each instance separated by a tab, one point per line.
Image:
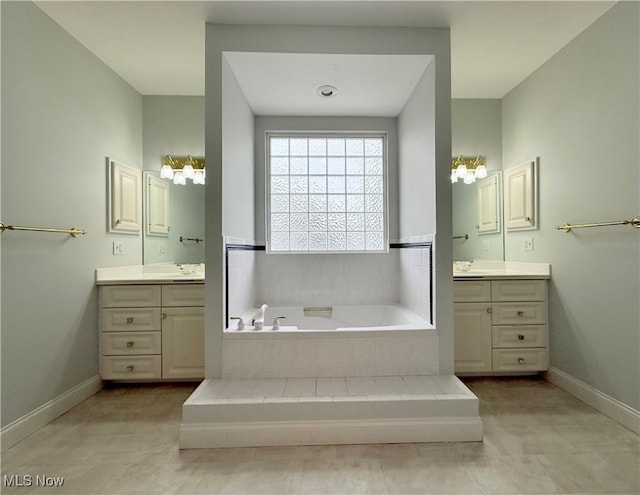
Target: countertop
151	274
480	269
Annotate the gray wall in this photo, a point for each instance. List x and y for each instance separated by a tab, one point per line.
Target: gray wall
476	129
63	113
580	114
238	159
311	39
174	125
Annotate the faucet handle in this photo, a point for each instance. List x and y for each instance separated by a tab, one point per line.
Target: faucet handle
276	322
240	321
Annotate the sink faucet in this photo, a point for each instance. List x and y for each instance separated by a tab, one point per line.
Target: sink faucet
240	321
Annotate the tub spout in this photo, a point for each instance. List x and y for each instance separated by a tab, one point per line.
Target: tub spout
258	321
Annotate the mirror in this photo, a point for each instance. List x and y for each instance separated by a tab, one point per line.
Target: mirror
477	219
170	214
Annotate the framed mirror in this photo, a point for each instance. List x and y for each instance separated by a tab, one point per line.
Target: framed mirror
477	219
174	219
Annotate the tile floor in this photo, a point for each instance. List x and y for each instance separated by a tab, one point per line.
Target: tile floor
538	440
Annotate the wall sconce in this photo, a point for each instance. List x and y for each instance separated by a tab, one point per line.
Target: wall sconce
468	168
180	168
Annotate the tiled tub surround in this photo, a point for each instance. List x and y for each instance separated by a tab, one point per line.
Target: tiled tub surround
269	354
317	280
403	275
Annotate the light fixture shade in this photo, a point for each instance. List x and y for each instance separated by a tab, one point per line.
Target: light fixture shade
188	171
454	177
470	177
461	171
481	172
178	178
166	172
198	177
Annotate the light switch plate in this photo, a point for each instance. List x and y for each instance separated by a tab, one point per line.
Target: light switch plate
528	243
118	248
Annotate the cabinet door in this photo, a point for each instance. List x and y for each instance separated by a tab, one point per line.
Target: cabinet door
157	206
520	197
183	343
472	323
487	205
125	212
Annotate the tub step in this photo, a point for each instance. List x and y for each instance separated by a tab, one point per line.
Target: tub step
317	411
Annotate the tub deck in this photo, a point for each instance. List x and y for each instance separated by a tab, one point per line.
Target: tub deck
317	411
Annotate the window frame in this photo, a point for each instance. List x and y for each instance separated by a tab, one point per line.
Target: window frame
310	134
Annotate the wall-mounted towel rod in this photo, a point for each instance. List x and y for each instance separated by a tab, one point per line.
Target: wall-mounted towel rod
567	227
72	231
193	239
465	237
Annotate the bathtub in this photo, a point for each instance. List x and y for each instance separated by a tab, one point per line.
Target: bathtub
342	318
340	341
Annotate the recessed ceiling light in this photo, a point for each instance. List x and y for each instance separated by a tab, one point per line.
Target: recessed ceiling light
327	91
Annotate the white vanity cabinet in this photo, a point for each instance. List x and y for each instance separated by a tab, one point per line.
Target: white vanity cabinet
500	325
151	331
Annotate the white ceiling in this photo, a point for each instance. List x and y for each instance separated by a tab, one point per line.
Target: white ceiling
158	46
287	83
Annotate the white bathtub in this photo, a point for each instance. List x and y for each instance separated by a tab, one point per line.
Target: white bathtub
342	318
343	341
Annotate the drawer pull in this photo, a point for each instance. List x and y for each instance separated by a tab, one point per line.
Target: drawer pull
520	360
130	344
130	320
130	368
163	315
520	313
489	310
520	336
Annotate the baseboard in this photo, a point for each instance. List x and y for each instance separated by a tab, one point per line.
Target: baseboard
28	424
330	432
616	410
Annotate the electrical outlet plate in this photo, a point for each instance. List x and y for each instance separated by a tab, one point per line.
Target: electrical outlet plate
118	248
485	245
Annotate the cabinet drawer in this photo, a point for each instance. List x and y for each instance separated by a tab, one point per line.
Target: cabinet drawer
129	296
471	291
183	295
519	313
519	359
125	343
130	319
518	290
519	336
131	367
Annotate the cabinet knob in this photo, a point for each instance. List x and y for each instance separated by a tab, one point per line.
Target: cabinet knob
489	310
520	336
163	315
520	313
130	344
520	360
130	368
130	320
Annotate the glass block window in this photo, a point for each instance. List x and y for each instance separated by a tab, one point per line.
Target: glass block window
326	193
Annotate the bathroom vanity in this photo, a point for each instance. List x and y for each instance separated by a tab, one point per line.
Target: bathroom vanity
500	318
151	324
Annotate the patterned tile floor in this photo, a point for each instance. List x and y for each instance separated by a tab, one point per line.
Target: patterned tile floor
123	440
